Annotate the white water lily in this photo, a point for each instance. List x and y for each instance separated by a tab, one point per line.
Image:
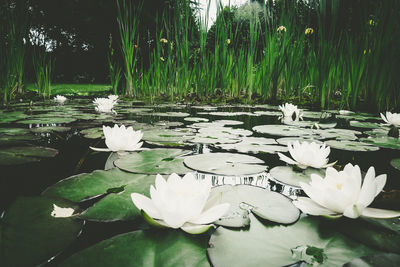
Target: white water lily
113	97
181	203
104	104
345	112
391	118
120	139
342	193
60	99
307	154
59	212
291	111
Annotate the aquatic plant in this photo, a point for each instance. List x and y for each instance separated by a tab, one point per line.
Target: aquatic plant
181	203
104	104
391	118
60	99
342	193
120	139
306	154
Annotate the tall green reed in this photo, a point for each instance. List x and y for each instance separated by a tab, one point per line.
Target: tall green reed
43	66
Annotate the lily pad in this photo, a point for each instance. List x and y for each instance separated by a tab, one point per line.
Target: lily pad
168	114
196	119
163	161
225	130
7	117
383	141
167	137
266	204
17	139
13	131
30	235
215	138
279	245
339	134
162	247
93	133
47	120
287	175
286	140
368	125
254	145
395	163
116	205
23	155
351	145
228	164
282	130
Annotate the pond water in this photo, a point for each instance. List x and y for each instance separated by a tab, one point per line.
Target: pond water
28	168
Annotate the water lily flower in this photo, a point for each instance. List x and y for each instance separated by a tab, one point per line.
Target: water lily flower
345	112
342	193
180	203
120	139
391	118
60	99
307	154
291	111
281	29
228	41
104	104
163	40
59	212
113	98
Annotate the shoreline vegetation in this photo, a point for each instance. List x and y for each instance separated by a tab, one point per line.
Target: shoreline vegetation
300	51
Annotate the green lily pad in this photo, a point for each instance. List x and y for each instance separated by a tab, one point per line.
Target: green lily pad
254	145
368	125
93	133
167	137
339	134
225	130
7	117
286	140
13	131
351	145
268	113
282	130
286	175
163	161
215	138
279	245
168	114
47	120
30	235
23	155
162	247
381	259
196	119
50	129
266	204
115	206
17	139
395	163
228	164
383	141
231	114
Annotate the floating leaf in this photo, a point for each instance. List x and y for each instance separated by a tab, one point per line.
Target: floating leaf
288	175
30	235
282	130
383	141
351	145
395	163
266	204
276	245
254	145
23	155
162	247
152	162
229	164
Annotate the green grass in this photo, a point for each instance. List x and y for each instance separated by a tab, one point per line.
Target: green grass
75	89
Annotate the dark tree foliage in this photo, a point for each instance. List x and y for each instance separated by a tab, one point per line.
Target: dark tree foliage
79	32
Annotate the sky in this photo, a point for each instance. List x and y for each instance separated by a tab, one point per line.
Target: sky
213	8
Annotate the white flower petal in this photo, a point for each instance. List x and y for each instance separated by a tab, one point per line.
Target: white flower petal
307	205
196	229
380	213
286	159
100	149
212	214
144	203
